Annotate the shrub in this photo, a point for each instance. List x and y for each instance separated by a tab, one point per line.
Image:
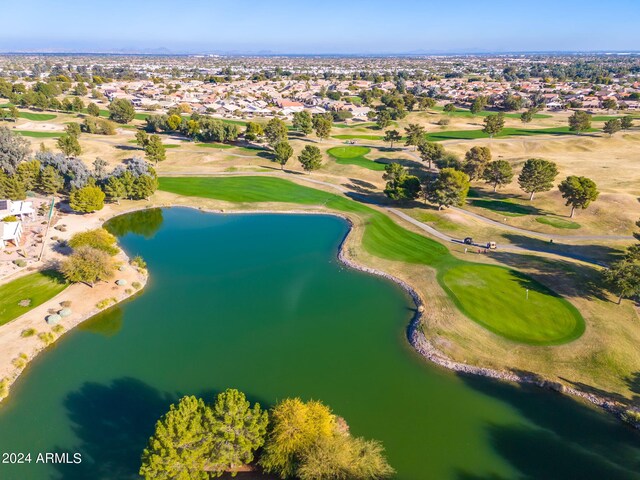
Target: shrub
10	218
136	285
98	238
65	303
444	122
139	262
29	332
102	304
87	199
58	329
46	337
4	388
20	362
20	263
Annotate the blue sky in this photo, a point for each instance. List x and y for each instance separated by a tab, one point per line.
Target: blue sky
329	26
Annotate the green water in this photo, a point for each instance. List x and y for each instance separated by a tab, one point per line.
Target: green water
260	303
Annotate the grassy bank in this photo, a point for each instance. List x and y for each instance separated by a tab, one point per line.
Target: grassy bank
383	238
33	289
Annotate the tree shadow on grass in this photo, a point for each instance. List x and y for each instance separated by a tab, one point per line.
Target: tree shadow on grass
360	186
561	439
129	148
569	279
113	423
601	254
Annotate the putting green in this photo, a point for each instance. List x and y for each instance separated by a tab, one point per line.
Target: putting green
355	156
492	296
558	222
486	294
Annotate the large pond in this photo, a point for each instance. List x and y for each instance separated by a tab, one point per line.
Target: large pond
260	303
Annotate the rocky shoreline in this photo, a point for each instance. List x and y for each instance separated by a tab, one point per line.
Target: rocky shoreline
426	349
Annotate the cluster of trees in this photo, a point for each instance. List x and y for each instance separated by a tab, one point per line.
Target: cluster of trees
54	173
197	127
154	149
450	185
295	439
623	276
305	123
91	258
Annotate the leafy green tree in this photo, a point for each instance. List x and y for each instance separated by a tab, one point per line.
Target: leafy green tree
448	160
142	138
623	278
479	104
392	136
415	134
310	158
449	108
295	427
580	121
87	199
400	185
527	115
143	187
344	457
612	126
493	124
322	124
77	105
448	187
537	175
238	430
302	122
430	151
498	173
174	121
13	150
93	110
69	145
426	103
114	189
121	110
609	104
73	129
579	192
253	131
88	265
155	151
97	238
626	122
50	181
180	445
512	102
81	89
11	187
283	152
383	119
476	160
28	173
275	131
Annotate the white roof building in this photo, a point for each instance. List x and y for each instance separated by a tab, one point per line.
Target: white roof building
18	209
10	232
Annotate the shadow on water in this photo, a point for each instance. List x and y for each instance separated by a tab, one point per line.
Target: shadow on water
570	441
107	323
143	222
112	422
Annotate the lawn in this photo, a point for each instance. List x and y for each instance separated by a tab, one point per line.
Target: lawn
461	112
545	320
506	132
503	207
363	137
531	314
27	133
557	222
214	145
37	117
37	287
355	156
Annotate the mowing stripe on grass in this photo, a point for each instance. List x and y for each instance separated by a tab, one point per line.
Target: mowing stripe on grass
35	288
28	133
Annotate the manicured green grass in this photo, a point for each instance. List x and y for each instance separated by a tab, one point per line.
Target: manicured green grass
538	317
37	117
355	156
363	137
214	145
506	132
37	287
27	133
604	118
461	112
545	320
503	207
558	222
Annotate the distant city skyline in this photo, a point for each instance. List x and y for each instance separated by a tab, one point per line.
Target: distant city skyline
331	27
